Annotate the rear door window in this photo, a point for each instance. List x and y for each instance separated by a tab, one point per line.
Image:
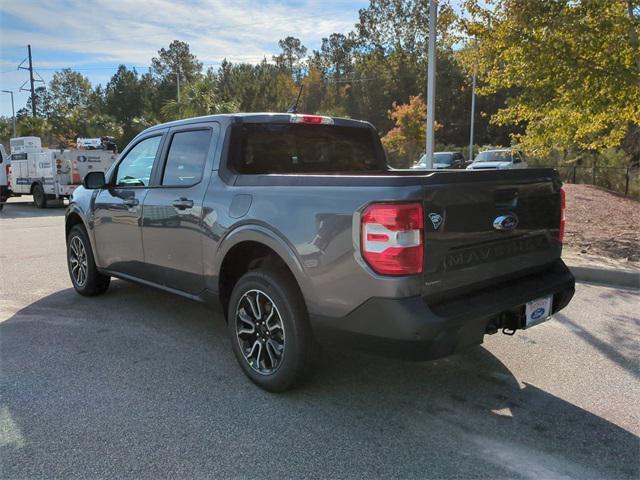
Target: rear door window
186	158
292	148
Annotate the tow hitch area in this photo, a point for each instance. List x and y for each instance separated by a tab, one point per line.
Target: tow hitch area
508	322
526	316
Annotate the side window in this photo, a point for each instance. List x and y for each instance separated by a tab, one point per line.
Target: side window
135	169
516	158
186	158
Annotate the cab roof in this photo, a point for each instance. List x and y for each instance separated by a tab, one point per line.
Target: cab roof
257	117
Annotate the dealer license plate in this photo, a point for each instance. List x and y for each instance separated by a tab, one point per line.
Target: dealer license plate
539	310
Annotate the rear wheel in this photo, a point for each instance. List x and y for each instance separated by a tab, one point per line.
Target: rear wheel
86	278
269	330
39	197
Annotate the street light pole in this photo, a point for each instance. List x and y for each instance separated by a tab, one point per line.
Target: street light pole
431	81
473	110
13	112
178	86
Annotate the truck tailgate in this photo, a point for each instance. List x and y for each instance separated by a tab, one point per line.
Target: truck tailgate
481	233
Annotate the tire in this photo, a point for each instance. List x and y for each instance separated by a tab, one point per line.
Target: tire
39	197
254	291
90	282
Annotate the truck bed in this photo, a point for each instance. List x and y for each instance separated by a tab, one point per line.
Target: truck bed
393	178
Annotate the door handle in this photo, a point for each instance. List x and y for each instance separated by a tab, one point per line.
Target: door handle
132	202
182	203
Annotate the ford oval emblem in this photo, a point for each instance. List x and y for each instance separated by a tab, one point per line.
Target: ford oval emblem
505	222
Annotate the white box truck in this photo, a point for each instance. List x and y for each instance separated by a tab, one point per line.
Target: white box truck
51	174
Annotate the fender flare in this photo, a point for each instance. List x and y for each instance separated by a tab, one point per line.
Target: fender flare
74	209
270	238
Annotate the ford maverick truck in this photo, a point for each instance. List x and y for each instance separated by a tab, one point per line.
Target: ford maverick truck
295	227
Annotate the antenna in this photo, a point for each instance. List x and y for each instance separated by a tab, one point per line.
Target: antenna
294	107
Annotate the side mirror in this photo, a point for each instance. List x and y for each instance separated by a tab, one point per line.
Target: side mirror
94	180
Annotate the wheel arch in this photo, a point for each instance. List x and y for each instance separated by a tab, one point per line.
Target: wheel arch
250	247
72	219
33	185
75	217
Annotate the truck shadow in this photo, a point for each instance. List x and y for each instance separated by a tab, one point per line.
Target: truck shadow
18	208
140	383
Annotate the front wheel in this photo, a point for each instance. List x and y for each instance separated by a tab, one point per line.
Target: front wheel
86	278
269	330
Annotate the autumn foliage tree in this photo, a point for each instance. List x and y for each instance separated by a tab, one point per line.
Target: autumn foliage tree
405	142
573	68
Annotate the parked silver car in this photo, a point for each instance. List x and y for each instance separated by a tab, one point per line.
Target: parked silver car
503	158
441	160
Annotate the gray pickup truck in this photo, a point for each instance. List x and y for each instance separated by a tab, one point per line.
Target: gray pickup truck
295	227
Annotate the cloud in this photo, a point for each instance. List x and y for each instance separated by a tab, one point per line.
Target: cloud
121	31
95	36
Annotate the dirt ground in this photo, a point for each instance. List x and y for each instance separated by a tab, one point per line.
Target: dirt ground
602	225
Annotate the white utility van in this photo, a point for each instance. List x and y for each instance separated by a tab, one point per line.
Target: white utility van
52	174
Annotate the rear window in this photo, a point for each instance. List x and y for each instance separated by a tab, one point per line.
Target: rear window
446	158
263	148
494	156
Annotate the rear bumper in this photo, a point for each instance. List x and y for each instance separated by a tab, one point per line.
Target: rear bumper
66	190
411	328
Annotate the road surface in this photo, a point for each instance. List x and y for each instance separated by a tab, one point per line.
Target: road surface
141	384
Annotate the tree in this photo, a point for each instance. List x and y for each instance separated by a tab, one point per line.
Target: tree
335	60
6	130
255	88
199	98
405	143
33	126
400	25
44	102
292	54
177	59
571	66
162	82
125	99
68	90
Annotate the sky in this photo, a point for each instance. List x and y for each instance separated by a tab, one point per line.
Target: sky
95	36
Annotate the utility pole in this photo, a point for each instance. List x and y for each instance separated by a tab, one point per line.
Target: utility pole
473	110
431	81
13	112
33	90
31	81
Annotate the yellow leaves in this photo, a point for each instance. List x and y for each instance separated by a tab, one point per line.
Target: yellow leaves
405	142
570	66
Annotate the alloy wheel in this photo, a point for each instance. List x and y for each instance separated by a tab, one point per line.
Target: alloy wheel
260	332
78	260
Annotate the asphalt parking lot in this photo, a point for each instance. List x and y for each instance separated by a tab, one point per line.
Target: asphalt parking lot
139	383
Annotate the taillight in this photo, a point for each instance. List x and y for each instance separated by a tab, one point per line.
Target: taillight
392	241
563	204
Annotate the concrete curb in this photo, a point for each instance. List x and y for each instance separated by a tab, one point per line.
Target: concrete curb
605	276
